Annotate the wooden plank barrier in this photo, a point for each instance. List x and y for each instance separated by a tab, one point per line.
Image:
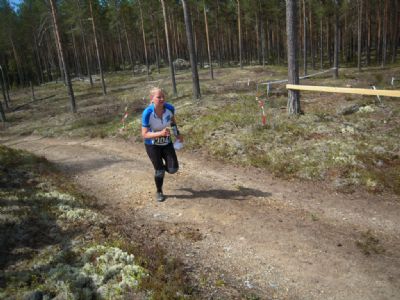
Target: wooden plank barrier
329	89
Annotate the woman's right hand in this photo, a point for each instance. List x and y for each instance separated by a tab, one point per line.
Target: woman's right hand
165	132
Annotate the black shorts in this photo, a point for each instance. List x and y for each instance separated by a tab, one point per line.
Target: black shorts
163	157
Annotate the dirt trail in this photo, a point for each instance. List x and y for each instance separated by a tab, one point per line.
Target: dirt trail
239	230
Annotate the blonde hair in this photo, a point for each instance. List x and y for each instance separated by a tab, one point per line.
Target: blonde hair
154	90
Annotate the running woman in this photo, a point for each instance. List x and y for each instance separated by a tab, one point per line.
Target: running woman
157	119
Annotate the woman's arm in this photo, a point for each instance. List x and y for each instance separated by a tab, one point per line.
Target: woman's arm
147	134
173	123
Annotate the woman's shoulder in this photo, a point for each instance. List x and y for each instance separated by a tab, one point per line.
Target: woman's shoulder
169	106
149	109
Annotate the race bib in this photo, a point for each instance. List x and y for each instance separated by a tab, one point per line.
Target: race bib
162	140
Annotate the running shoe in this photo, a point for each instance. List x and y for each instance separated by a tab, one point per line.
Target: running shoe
160	197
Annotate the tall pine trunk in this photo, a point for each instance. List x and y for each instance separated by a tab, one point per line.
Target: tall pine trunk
192	54
121	52
2	114
85	51
4	88
262	42
4	73
144	41
239	34
385	32
359	34
219	41
96	44
321	45
369	30
38	60
379	22
171	64
76	58
157	47
312	41
60	61
304	38
396	31
129	47
62	56
17	62
336	43
292	54
208	42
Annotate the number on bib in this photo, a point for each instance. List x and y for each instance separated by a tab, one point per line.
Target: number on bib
162	140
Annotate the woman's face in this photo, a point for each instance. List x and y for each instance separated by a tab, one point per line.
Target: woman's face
158	98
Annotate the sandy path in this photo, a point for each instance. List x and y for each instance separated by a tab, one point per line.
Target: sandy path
240	230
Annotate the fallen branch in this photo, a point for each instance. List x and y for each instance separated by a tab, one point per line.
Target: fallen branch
37	100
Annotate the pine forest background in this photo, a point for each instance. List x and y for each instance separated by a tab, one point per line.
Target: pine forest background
131	35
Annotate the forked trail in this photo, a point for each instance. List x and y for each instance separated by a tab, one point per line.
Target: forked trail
239	230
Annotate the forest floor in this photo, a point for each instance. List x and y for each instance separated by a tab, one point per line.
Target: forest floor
240	232
301	208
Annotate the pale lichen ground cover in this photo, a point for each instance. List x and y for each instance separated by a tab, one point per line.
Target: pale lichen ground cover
47	238
356	151
349	151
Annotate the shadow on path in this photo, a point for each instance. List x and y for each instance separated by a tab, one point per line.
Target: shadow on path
241	193
83	166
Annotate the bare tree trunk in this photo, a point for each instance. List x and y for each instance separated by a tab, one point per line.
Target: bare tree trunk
321	45
239	35
304	37
368	12
192	54
346	49
2	114
278	43
157	50
198	39
6	84
293	64
174	36
311	41
77	63
17	62
47	61
37	56
396	31
63	62
379	21
103	84
359	32
385	32
121	52
171	64
208	43
85	48
60	61
4	88
263	42
336	49
258	35
129	47
269	41
144	40
105	63
219	42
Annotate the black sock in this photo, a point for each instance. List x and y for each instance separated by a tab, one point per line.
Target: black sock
159	183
